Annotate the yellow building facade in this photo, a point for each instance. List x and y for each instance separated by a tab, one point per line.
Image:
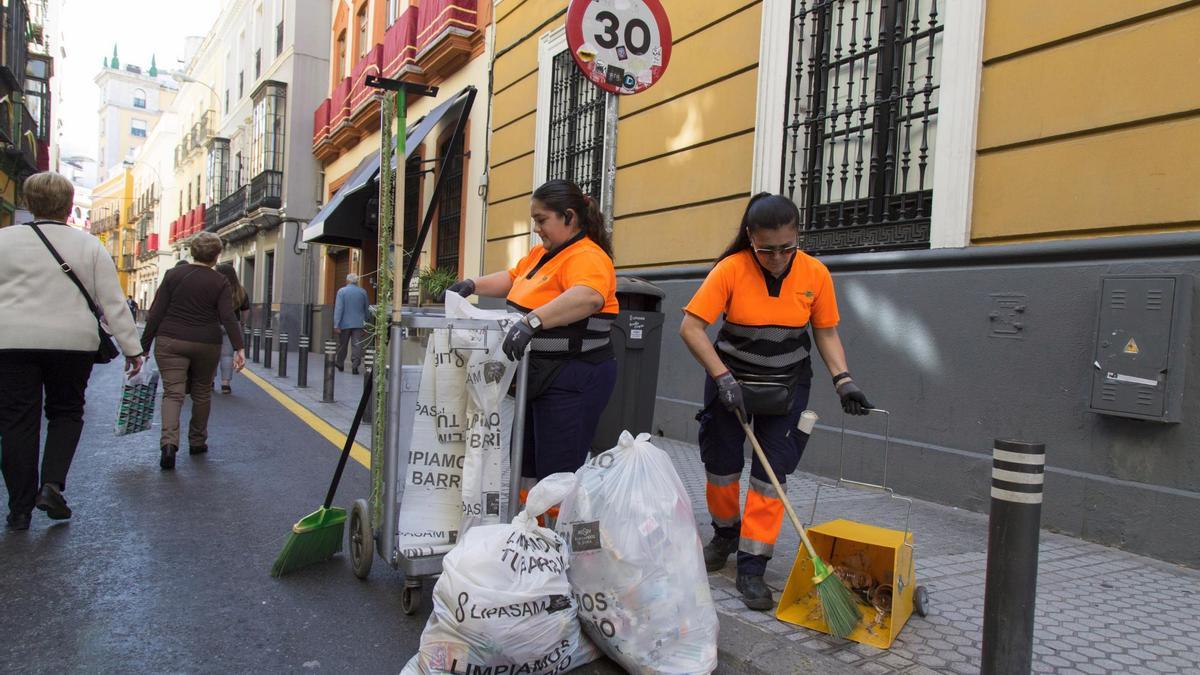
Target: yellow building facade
683	148
1088	121
111	204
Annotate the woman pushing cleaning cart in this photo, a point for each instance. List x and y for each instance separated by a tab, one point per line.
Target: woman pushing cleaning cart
566	290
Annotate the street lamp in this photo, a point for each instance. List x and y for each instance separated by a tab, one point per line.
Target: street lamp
184	77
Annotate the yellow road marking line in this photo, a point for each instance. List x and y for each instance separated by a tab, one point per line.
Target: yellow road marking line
358	451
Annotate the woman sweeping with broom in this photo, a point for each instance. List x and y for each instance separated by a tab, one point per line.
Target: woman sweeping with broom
759	370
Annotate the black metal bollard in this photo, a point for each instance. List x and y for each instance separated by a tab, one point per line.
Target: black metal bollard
302	363
247	337
330	352
369	366
1018	471
256	357
283	354
268	347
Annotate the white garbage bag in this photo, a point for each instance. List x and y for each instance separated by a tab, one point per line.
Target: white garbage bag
503	603
488	374
637	569
430	511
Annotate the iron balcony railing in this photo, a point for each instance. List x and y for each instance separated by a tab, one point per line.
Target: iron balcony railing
233	207
127	263
211	219
266	190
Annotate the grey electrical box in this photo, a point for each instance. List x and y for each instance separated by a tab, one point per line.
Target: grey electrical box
1143	336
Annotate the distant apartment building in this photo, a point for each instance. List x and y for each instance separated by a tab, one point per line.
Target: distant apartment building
131	102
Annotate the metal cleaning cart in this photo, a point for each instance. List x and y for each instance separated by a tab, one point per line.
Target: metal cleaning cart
373	523
875	562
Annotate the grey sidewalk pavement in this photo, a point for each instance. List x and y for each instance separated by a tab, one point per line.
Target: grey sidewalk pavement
1099	609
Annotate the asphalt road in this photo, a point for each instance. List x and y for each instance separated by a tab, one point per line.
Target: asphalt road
169	572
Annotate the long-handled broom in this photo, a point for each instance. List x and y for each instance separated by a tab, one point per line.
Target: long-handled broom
318	536
837	602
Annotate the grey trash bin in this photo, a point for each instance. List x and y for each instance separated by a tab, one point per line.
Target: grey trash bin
637	343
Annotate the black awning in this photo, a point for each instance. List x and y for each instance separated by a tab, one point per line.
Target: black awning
341	221
344	220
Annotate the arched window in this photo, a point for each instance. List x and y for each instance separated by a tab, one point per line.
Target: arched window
139	98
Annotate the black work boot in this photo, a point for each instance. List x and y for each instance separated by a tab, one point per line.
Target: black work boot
717	552
754	592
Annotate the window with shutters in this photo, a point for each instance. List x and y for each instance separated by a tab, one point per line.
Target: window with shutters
449	218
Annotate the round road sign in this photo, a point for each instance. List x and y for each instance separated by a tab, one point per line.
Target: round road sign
622	46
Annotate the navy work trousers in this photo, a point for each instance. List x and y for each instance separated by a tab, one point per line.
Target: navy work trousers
561	422
722	449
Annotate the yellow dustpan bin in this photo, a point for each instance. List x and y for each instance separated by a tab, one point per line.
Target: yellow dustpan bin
847	544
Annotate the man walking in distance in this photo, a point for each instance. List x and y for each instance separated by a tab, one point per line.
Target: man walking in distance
349	317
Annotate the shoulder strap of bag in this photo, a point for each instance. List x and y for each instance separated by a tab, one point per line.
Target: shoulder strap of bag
62	264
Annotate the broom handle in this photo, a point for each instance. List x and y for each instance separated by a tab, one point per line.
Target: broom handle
358	415
787	504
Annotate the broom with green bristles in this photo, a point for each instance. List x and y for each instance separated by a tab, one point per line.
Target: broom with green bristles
837	602
318	536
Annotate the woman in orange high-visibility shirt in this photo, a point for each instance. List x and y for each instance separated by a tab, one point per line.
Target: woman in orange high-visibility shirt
769	292
567	289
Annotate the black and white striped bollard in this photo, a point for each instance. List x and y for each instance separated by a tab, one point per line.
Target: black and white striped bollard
1018	472
268	347
283	354
302	363
330	352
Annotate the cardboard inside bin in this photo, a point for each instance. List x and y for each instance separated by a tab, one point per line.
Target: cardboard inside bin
845	543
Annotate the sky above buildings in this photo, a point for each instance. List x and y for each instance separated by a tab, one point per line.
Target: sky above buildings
140	28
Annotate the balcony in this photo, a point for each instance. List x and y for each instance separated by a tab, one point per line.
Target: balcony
210	218
400	46
127	263
266	191
233	207
321	144
447	35
364	104
342	133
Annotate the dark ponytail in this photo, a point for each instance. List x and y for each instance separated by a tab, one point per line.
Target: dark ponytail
764	212
563	195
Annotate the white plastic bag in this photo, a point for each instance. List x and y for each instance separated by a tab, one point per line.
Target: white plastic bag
138	397
503	603
637	569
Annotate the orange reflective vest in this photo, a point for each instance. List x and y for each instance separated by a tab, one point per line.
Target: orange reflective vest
544	275
766	317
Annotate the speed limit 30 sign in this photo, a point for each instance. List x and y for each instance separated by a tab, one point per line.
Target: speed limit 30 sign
622	46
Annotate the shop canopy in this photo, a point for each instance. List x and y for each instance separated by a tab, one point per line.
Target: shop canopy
344	220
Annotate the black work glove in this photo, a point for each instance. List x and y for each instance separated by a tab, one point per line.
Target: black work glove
729	391
465	288
517	340
854	402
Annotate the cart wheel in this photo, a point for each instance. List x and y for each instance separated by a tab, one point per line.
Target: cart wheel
920	601
362	540
410	598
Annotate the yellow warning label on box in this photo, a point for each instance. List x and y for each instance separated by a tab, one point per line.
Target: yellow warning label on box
1131	347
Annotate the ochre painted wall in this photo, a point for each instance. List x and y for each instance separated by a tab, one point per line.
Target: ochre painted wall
684	146
1089	120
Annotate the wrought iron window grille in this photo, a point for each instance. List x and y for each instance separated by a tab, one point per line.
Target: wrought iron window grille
577	131
861	122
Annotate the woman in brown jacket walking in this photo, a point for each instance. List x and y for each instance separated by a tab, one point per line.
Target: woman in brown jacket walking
191	307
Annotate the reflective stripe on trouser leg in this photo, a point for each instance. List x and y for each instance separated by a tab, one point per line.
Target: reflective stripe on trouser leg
762	520
723	496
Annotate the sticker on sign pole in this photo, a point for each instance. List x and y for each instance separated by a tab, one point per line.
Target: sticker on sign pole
622	46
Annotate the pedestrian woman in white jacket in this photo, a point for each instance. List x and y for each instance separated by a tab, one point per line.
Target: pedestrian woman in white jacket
48	342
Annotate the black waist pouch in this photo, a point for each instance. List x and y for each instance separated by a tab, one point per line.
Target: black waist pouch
768	394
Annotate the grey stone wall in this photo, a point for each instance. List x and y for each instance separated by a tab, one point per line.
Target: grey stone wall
921	343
